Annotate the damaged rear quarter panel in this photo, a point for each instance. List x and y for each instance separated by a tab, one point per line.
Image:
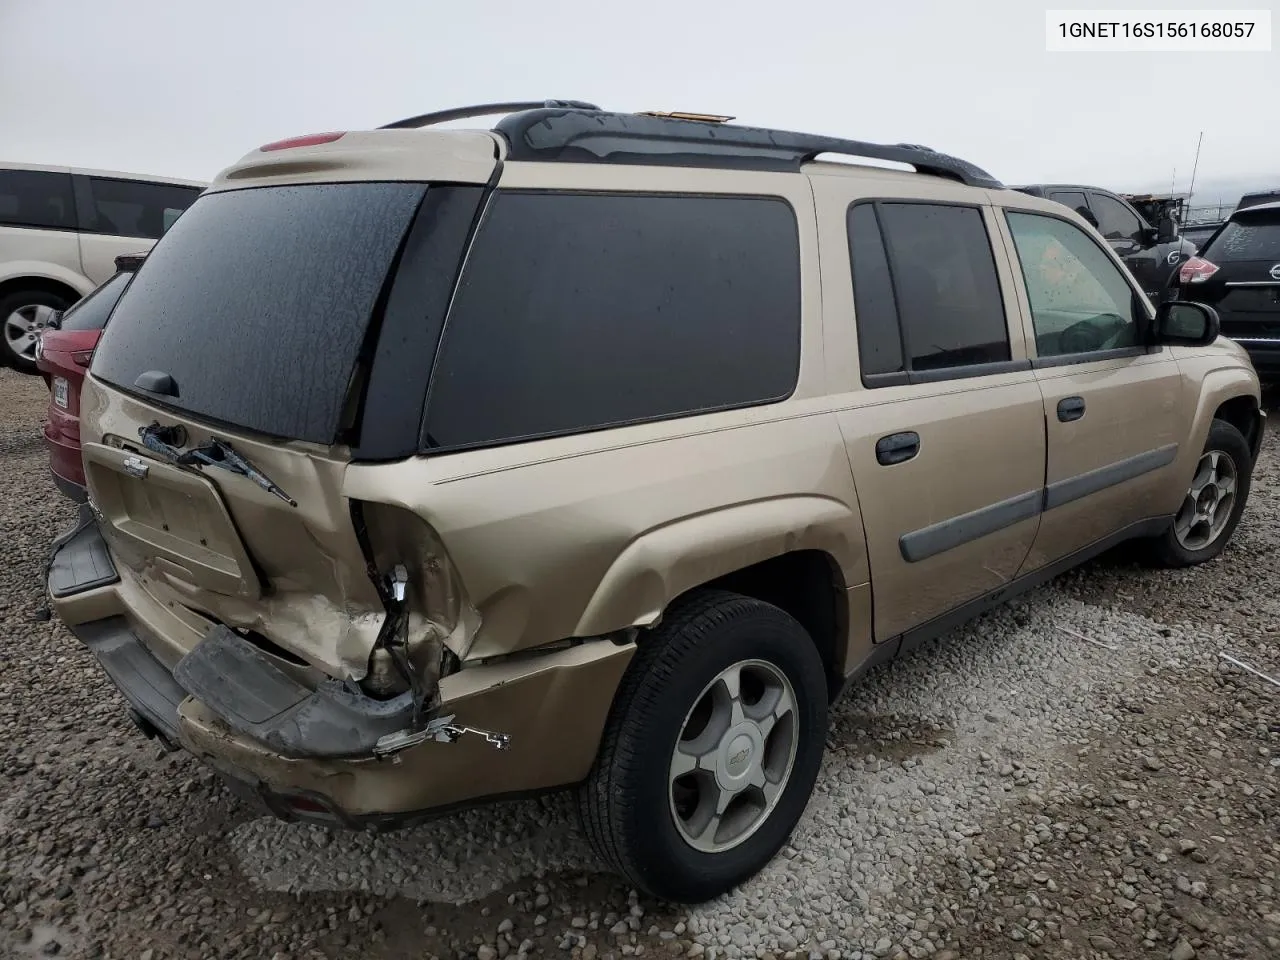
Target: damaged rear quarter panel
317	599
584	535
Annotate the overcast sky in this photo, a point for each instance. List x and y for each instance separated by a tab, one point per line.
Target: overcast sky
184	88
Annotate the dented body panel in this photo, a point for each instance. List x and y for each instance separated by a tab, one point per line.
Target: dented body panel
307	588
554	704
544	566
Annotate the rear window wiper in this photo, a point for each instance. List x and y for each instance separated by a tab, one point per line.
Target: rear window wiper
216	453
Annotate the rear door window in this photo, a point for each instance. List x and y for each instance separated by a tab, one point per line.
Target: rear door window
91	313
945	284
133	208
258	301
36	198
1252	237
582	311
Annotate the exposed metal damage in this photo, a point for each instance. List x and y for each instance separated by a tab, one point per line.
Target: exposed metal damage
414	649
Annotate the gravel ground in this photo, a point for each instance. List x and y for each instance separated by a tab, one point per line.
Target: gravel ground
1076	775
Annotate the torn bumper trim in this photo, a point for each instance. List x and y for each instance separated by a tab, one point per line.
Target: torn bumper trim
80	561
142	679
253	696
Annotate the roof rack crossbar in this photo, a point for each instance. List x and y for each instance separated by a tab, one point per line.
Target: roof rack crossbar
483	110
568	132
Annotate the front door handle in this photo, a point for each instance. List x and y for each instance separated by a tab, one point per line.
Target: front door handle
897	448
1070	408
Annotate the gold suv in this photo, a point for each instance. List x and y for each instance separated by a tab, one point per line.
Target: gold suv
600	450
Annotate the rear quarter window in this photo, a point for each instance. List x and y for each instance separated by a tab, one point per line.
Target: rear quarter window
582	311
36	198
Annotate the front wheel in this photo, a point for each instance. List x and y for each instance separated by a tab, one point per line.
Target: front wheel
711	750
1213	502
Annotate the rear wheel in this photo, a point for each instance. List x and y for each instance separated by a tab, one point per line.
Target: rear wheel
1213	502
23	316
711	749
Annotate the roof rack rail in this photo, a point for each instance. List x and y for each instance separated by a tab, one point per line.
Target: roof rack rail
483	110
570	132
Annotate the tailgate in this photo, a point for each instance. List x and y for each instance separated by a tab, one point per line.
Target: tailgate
217	543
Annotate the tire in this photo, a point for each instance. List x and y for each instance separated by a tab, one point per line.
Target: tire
24	309
1207	539
628	806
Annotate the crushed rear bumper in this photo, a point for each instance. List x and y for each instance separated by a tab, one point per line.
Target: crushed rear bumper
306	752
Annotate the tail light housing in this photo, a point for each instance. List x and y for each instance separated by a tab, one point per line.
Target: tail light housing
1196	270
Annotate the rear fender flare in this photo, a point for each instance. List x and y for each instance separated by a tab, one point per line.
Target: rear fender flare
666	561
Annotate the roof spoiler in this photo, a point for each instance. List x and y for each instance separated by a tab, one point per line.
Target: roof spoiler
482	110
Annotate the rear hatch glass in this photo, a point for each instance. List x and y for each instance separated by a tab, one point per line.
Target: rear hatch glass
1249	237
256	304
91	313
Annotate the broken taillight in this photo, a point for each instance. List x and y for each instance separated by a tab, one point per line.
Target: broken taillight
1196	270
310	140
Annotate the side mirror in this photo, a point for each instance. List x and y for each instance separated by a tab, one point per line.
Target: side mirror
1182	323
1167	230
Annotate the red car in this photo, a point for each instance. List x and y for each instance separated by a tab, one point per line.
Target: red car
63	353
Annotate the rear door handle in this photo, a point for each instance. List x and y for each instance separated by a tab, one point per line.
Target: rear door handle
1070	408
897	448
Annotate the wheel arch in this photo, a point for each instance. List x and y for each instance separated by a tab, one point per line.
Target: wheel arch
1245	414
1230	393
68	285
800	554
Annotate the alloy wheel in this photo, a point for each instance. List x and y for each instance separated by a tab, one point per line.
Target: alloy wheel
1207	507
22	328
734	756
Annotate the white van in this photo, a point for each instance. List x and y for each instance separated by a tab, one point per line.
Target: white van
61	230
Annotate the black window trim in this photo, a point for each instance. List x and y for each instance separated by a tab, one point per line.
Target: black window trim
389	398
427	447
86	209
1038	362
966	371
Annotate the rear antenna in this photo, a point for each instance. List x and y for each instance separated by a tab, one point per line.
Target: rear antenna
1191	191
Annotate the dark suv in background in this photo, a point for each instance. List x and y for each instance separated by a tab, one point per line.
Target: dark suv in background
1254	199
1238	274
1152	254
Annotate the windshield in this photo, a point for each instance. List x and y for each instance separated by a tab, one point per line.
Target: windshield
1251	237
91	313
256	304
